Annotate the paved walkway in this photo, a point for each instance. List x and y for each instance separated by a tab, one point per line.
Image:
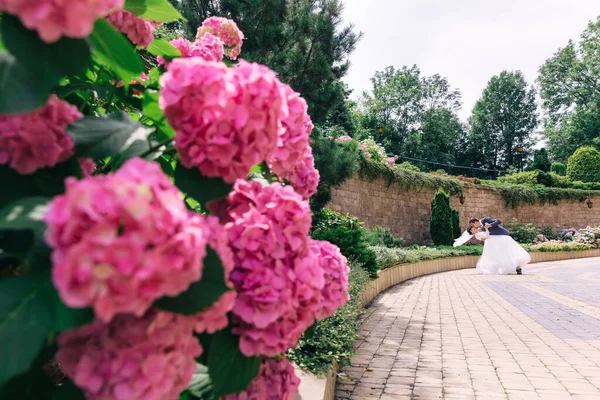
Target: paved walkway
460	335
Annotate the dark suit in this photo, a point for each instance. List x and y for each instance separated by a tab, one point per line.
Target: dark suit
496	228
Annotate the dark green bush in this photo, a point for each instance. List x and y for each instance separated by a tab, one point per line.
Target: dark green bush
380	236
456	230
440	224
522	232
546	179
332	339
559	168
584	165
541	160
346	233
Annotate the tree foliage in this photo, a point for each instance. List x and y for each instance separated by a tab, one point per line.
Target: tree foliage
541	160
503	118
570	90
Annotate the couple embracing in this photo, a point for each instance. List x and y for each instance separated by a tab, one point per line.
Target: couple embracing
501	254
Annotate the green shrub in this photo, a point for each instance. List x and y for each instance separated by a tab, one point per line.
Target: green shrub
521	178
441	172
522	232
561	181
558	168
387	257
409	166
557	246
332	340
546	179
380	236
346	233
456	231
584	165
440	224
541	161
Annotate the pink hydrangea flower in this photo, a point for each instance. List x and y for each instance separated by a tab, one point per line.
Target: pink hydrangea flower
335	266
293	143
226	30
53	19
276	380
366	150
208	48
150	358
392	160
87	166
214	318
122	241
226	119
344	139
305	177
138	30
276	276
37	139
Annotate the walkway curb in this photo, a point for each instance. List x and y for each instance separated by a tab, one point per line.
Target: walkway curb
400	273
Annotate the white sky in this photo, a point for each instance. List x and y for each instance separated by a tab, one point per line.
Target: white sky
467	41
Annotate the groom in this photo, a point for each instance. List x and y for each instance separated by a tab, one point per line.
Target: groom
494	227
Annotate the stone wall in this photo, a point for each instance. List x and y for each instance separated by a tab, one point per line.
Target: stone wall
407	214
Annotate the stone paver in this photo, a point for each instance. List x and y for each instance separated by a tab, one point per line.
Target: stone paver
460	335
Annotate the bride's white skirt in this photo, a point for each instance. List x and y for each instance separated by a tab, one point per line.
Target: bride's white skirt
501	256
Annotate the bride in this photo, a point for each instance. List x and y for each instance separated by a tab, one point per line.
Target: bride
501	254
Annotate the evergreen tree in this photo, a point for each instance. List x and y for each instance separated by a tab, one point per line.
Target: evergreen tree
541	160
440	225
304	41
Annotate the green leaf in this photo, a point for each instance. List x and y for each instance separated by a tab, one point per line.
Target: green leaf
68	391
100	137
113	50
152	111
153	10
201	188
164	49
200	294
36	66
24	214
65	317
25	322
32	385
230	371
19	92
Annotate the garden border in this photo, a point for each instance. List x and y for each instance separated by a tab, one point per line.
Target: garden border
389	277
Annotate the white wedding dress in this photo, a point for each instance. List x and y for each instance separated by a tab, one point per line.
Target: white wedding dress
501	255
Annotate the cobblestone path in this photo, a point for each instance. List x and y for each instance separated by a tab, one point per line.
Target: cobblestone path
460	335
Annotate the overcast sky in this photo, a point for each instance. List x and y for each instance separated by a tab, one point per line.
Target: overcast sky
467	41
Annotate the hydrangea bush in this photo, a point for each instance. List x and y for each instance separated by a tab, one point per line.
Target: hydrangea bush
155	226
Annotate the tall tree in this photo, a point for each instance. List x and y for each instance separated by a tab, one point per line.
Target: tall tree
570	90
412	110
304	41
503	118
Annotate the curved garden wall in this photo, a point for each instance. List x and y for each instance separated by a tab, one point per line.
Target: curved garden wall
406	213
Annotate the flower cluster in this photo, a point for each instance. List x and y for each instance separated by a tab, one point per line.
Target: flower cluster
588	236
392	160
37	139
138	30
372	149
208	48
122	241
226	119
275	381
276	276
53	19
292	159
335	291
227	31
344	139
149	358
